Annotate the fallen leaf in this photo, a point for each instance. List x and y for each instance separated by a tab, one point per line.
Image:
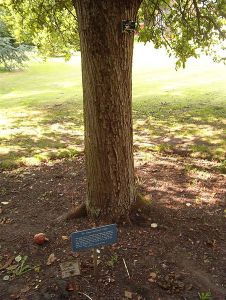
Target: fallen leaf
4	203
5	220
37	269
65	238
188	204
152	277
18	258
25	290
7	264
128	295
12	267
51	259
154	225
72	286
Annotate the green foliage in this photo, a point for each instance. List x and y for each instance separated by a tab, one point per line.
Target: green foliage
222	167
205	296
12	55
50	25
113	260
183	26
20	267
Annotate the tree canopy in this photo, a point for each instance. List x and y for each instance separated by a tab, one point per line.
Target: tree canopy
183	27
50	25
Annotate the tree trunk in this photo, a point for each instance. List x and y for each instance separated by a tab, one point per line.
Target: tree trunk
107	94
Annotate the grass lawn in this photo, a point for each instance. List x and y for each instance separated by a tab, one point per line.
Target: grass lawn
180	112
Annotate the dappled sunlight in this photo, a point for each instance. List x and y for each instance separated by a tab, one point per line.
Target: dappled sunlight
30	137
5	150
181	129
180	113
22	94
181	185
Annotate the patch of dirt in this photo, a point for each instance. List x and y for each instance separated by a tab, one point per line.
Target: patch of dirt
181	257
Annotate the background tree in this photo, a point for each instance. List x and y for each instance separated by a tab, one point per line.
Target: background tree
182	26
12	54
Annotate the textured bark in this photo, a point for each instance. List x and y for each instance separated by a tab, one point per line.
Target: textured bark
107	95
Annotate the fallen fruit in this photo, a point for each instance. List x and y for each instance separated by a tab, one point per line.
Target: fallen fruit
40	238
51	259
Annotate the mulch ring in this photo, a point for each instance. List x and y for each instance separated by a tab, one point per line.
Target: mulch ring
176	251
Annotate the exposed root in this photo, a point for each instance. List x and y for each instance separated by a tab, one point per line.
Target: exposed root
142	205
140	209
77	212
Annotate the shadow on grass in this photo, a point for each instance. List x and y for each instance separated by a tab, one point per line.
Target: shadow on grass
196	130
37	134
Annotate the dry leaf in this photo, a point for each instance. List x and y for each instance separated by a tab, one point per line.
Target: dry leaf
154	225
6	278
72	286
128	295
25	290
151	280
7	264
51	259
65	238
18	258
5	220
153	275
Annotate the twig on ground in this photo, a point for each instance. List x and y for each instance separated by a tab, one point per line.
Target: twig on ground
85	295
126	268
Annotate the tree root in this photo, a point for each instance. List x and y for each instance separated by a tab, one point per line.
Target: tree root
136	214
142	205
77	212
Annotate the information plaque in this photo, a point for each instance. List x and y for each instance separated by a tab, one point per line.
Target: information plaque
92	238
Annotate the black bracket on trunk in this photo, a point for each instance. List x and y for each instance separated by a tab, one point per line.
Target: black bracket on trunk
128	26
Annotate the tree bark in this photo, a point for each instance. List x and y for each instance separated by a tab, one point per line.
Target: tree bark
107	95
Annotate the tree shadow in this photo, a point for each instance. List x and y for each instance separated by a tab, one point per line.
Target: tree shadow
184	130
33	136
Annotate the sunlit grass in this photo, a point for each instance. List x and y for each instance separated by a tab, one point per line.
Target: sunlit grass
41	110
180	111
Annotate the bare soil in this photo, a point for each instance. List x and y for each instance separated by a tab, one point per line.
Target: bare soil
183	256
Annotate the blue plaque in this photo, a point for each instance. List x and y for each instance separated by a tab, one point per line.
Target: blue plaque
92	238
